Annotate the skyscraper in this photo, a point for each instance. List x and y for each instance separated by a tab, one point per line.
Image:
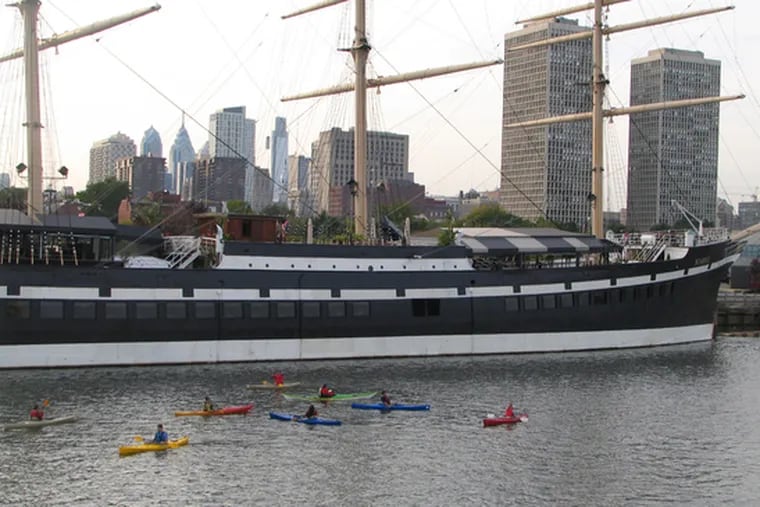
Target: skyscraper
333	162
279	147
180	154
151	146
232	135
547	169
673	153
105	153
298	184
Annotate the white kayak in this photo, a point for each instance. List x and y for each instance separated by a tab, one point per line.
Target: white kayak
34	424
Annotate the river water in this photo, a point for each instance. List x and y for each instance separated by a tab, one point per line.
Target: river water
650	426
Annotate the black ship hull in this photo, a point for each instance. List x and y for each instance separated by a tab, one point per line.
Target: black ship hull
79	316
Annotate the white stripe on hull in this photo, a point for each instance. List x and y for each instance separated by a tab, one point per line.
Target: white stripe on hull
158	352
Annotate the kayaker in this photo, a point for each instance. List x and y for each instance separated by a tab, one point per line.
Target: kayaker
326	392
509	412
36	413
161	437
385	399
279	379
207	405
310	412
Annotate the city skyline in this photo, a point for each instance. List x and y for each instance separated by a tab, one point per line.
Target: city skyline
253	58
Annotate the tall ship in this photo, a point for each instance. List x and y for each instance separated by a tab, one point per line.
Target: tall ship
67	300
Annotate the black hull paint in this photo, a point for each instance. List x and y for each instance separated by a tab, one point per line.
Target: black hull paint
657	303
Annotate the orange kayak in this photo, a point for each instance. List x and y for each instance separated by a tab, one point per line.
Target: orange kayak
238	409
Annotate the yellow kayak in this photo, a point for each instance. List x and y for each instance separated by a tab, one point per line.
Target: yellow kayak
128	450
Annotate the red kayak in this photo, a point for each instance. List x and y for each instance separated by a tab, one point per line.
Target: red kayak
495	421
239	409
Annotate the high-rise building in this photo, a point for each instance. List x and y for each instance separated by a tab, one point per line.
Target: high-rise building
279	147
151	145
546	170
5	180
673	153
333	162
298	184
144	175
184	178
105	153
232	135
219	179
181	152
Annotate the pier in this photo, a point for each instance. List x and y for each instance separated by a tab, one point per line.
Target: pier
738	313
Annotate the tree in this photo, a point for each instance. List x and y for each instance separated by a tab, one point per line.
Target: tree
103	198
275	210
147	214
491	215
13	198
239	207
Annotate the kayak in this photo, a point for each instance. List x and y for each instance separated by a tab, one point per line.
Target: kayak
128	450
337	397
393	406
238	409
266	385
495	421
304	420
33	424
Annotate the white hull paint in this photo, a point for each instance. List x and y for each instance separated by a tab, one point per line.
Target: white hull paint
213	351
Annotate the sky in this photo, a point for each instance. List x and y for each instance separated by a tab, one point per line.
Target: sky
199	56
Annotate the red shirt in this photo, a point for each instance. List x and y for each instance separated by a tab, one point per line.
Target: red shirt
36	414
509	412
279	379
326	392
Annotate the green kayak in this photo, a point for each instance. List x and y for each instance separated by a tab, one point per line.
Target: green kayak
337	397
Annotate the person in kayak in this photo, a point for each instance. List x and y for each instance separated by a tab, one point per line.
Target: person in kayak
326	392
207	405
161	437
385	399
279	379
310	412
36	413
509	412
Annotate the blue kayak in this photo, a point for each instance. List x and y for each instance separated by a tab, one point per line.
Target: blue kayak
304	420
393	406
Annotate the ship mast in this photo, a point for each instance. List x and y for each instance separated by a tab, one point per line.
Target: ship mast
360	51
598	113
32	46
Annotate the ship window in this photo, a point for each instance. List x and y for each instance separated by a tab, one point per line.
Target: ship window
548	301
176	310
336	309
17	309
84	310
259	310
232	310
599	298
360	308
512	304
116	311
205	310
146	311
530	303
51	309
566	300
426	307
310	310
286	310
